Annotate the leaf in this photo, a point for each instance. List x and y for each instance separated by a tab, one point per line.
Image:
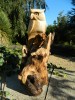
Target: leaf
7	93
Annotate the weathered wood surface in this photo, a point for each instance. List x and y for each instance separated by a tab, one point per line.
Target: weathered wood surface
34	74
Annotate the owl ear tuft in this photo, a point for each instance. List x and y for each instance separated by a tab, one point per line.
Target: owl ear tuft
37	10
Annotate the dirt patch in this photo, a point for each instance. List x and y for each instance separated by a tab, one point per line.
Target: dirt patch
65	62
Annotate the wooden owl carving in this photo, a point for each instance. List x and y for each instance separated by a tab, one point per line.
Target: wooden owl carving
37	23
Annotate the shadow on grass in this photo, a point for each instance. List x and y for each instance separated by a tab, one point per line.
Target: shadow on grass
14	84
61	89
62	84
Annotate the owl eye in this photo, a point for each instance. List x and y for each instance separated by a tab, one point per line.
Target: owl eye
36	13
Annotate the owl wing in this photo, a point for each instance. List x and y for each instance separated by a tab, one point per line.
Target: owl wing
31	26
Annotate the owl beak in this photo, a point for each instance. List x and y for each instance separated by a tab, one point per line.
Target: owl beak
31	17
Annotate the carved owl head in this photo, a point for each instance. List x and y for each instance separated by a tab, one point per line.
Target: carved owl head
37	14
37	22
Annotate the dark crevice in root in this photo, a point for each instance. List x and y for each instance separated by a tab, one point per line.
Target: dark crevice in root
31	79
33	86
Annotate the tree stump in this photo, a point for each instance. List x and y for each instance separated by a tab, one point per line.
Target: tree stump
34	74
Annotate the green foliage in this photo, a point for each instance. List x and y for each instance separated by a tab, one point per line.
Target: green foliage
4	22
73	2
61	19
66	44
71	24
5	38
10	59
16	13
58	71
64	28
5	29
4	94
1	59
50	28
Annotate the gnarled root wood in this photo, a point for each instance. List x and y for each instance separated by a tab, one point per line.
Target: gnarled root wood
34	74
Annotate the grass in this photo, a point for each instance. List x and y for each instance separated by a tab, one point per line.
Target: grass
56	71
